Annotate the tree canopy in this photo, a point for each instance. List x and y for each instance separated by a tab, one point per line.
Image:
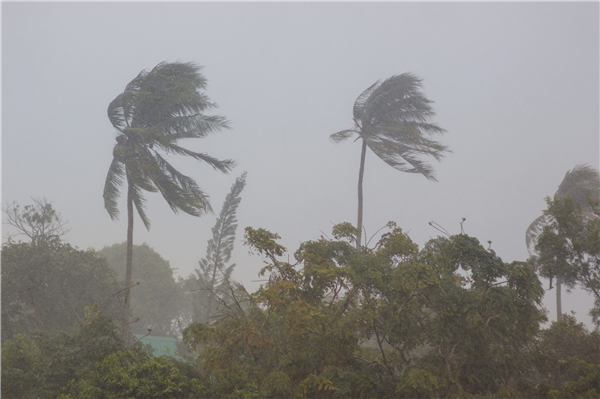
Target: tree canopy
391	321
47	285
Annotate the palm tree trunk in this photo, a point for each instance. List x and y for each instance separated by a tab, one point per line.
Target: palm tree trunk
558	299
361	173
126	327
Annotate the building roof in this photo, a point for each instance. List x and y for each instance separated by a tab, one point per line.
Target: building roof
163	346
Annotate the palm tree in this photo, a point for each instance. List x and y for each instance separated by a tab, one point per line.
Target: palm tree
582	185
393	119
156	110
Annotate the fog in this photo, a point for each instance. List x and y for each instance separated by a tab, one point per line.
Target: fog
516	86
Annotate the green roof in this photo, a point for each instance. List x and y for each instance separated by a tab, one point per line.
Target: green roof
163	346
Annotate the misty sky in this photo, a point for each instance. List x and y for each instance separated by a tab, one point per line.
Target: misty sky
516	85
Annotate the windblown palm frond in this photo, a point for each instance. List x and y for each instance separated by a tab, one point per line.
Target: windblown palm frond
158	108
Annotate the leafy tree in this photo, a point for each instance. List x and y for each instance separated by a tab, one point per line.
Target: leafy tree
46	285
212	276
92	363
383	322
158	297
157	109
569	247
560	355
135	374
393	119
582	184
43	365
38	221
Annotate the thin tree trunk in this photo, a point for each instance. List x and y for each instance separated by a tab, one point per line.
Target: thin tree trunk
558	299
126	327
361	172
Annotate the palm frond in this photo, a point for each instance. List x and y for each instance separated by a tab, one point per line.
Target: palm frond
180	191
533	232
342	135
582	183
224	166
139	201
400	156
112	188
359	104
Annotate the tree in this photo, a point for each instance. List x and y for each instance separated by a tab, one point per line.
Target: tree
92	362
569	247
383	322
42	366
38	221
47	285
582	184
158	297
393	119
212	276
157	109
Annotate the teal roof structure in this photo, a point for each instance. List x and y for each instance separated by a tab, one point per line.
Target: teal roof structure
163	346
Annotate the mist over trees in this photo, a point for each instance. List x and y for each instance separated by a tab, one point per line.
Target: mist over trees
333	319
157	299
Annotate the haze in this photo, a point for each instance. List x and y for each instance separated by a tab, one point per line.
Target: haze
516	85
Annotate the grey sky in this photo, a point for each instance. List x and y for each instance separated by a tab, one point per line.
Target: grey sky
515	85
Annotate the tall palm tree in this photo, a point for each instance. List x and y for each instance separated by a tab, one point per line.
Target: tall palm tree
393	119
156	110
582	184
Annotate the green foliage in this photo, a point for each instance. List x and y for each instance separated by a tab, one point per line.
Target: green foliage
565	241
47	284
92	363
587	386
569	246
209	285
157	300
42	366
391	321
157	109
135	374
556	358
393	119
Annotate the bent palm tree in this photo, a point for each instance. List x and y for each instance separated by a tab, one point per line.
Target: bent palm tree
392	119
582	185
156	110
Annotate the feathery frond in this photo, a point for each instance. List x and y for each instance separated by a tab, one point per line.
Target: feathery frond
213	273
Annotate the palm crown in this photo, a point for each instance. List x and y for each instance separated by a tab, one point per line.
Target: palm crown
156	110
392	117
